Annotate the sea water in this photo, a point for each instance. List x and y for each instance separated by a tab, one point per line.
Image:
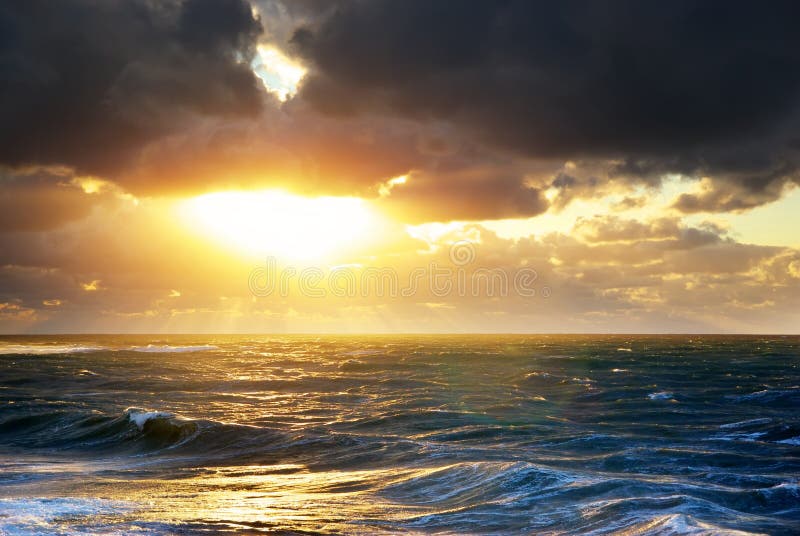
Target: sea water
400	434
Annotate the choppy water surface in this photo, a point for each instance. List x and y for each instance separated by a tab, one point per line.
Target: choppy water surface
484	434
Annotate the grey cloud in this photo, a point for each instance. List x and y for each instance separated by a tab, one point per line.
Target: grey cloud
709	89
86	84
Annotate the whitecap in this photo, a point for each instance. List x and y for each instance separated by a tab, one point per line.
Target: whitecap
362	352
140	417
538	374
743	424
681	524
768	395
661	395
741	436
583	381
791	487
46	515
47	349
168	349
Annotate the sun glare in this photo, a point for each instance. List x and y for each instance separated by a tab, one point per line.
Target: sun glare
280	224
279	74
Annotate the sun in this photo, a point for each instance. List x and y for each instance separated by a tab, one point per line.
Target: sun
276	223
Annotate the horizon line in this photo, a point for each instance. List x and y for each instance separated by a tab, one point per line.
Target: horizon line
389	333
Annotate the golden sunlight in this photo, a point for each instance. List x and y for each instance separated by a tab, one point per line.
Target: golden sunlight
277	223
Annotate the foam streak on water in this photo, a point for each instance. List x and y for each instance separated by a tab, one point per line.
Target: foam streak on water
435	434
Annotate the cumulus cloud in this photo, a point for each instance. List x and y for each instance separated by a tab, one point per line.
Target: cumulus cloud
606	274
614	229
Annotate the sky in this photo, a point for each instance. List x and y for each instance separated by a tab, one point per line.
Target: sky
235	166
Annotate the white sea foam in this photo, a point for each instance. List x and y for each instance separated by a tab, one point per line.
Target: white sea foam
583	381
47	349
741	436
791	487
139	417
169	349
51	515
538	374
744	424
362	352
661	395
681	524
766	395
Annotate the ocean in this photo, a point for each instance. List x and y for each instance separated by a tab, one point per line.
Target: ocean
400	434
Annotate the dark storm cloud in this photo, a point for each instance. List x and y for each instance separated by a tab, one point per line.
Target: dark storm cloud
719	196
466	189
158	96
87	83
700	88
41	199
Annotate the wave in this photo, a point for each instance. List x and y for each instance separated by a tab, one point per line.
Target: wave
47	349
169	349
761	429
788	491
493	494
135	431
141	417
56	349
46	515
790	395
415	439
675	524
476	483
745	424
363	352
140	432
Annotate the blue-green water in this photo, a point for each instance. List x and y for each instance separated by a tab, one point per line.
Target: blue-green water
449	434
